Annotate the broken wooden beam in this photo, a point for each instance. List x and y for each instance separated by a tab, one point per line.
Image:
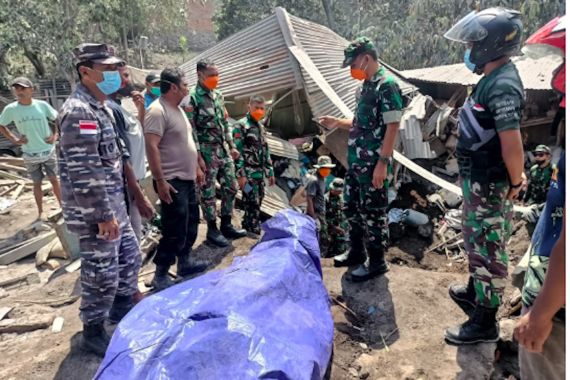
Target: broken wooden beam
27	249
26	324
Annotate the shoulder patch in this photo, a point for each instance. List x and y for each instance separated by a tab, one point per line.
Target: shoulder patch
88	127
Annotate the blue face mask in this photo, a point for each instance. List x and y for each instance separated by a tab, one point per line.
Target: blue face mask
470	65
111	82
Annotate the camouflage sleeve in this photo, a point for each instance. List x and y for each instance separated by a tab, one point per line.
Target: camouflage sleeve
85	170
191	113
391	103
268	162
227	127
238	140
505	104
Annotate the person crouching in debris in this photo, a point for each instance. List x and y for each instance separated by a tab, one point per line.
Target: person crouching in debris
316	205
93	194
540	176
37	137
373	132
254	162
490	153
173	159
337	225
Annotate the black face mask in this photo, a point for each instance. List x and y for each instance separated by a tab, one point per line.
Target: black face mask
540	162
126	91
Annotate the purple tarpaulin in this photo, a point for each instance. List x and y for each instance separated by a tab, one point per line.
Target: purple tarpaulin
266	316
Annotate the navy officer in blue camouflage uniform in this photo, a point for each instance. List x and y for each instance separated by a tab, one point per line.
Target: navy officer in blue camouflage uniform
93	194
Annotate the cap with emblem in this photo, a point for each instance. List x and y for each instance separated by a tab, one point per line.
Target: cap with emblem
152	78
542	149
103	54
337	184
22	81
324	162
358	46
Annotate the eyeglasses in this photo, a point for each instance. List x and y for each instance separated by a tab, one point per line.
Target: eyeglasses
539	154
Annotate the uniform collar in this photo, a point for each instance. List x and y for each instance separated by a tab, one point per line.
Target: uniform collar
379	75
204	91
83	92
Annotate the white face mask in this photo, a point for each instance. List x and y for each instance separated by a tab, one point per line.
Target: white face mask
185	101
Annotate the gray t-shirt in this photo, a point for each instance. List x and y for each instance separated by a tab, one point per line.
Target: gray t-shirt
178	154
316	188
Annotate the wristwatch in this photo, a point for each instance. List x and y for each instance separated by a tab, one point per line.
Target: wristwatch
385	159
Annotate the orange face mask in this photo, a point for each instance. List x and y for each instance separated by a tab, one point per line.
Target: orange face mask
324	172
257	114
360	73
211	82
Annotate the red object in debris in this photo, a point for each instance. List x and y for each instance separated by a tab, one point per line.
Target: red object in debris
548	40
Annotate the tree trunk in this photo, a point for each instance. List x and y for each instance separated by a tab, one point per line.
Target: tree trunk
36	61
125	43
328	11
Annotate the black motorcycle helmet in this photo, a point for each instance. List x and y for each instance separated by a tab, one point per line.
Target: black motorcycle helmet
493	33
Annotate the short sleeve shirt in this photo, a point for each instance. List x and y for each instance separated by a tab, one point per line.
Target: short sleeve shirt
31	121
315	188
379	104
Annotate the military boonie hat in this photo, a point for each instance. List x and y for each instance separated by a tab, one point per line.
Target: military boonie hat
542	149
337	184
152	78
324	162
357	47
103	54
22	81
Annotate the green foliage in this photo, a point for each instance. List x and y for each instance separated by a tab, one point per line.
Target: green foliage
45	31
408	33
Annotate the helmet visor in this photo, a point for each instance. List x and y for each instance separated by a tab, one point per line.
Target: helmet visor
466	30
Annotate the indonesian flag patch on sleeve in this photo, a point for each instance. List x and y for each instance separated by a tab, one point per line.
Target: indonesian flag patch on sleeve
87	127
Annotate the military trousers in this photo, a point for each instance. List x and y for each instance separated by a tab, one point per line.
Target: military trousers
220	167
180	220
365	208
252	200
486	227
108	268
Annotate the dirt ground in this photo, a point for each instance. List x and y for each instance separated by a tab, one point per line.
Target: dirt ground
388	328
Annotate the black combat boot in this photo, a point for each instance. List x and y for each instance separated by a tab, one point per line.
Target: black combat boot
376	266
464	296
215	237
481	327
95	339
121	306
184	268
161	280
355	255
229	231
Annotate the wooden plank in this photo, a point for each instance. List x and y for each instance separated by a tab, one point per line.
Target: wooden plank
15	168
26	324
12	161
5	174
26	249
73	266
18	191
9	189
4	311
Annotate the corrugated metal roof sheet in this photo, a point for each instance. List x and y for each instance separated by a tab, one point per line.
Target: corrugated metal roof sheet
535	74
254	60
248	66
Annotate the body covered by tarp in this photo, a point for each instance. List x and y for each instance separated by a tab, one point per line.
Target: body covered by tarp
266	316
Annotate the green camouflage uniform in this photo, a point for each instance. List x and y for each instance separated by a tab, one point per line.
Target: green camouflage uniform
495	106
255	164
365	207
212	133
539	182
337	242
